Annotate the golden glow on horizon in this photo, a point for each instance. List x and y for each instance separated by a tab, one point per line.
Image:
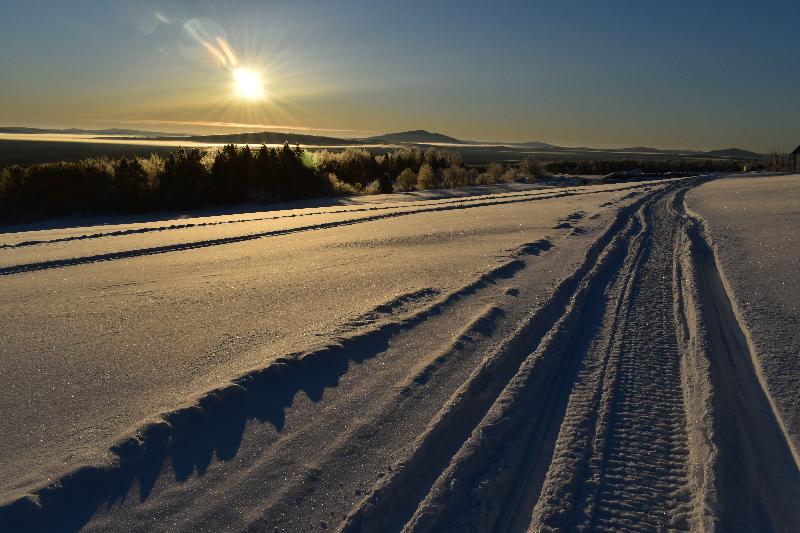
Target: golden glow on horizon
249	84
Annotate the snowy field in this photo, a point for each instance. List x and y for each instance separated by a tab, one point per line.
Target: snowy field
755	224
503	359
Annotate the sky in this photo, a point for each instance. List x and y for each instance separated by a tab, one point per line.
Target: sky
697	74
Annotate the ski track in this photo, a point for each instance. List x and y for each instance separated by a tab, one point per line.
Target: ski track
188	225
628	400
391	212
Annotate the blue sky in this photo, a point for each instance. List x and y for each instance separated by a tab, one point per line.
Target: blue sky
668	74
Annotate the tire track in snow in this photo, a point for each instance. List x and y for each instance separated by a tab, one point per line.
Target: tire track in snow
581	441
497	477
643	479
188	225
689	446
177	247
666	426
213	425
628	401
624	459
462	492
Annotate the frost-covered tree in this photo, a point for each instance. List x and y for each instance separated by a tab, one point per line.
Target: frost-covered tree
406	181
426	177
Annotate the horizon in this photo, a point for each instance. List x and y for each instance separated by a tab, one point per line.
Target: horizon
681	77
333	134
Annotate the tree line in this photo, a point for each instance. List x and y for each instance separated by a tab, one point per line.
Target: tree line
192	178
607	166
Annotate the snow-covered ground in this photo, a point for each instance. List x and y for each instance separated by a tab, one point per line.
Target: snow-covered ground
755	223
93	348
507	359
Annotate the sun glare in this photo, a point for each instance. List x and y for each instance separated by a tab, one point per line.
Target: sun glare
249	85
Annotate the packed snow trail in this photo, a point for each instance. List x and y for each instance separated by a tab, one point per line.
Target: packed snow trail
50	259
642	476
93	349
653	436
625	398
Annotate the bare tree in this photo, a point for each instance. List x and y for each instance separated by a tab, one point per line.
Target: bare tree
496	171
510	176
530	168
779	161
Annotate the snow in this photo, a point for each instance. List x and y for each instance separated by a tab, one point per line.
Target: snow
609	357
91	350
755	225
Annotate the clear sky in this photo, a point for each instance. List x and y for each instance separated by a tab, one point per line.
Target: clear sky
673	74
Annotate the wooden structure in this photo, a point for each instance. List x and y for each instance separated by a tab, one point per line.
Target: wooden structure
793	158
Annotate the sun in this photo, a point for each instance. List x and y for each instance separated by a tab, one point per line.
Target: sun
248	84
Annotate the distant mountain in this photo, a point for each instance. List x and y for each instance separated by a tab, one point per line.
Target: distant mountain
417	137
728	153
734	153
403	137
645	149
536	145
78	131
273	137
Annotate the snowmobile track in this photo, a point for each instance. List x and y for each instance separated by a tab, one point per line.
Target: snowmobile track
621	413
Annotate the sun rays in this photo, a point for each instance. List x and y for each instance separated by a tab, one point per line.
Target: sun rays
248	84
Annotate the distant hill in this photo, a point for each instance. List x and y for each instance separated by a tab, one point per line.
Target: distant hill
79	131
416	136
728	153
420	137
273	137
645	149
537	145
734	153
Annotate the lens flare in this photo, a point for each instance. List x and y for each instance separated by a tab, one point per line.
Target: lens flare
248	84
246	76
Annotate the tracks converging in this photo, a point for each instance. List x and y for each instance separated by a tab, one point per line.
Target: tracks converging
639	472
627	400
615	419
373	214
